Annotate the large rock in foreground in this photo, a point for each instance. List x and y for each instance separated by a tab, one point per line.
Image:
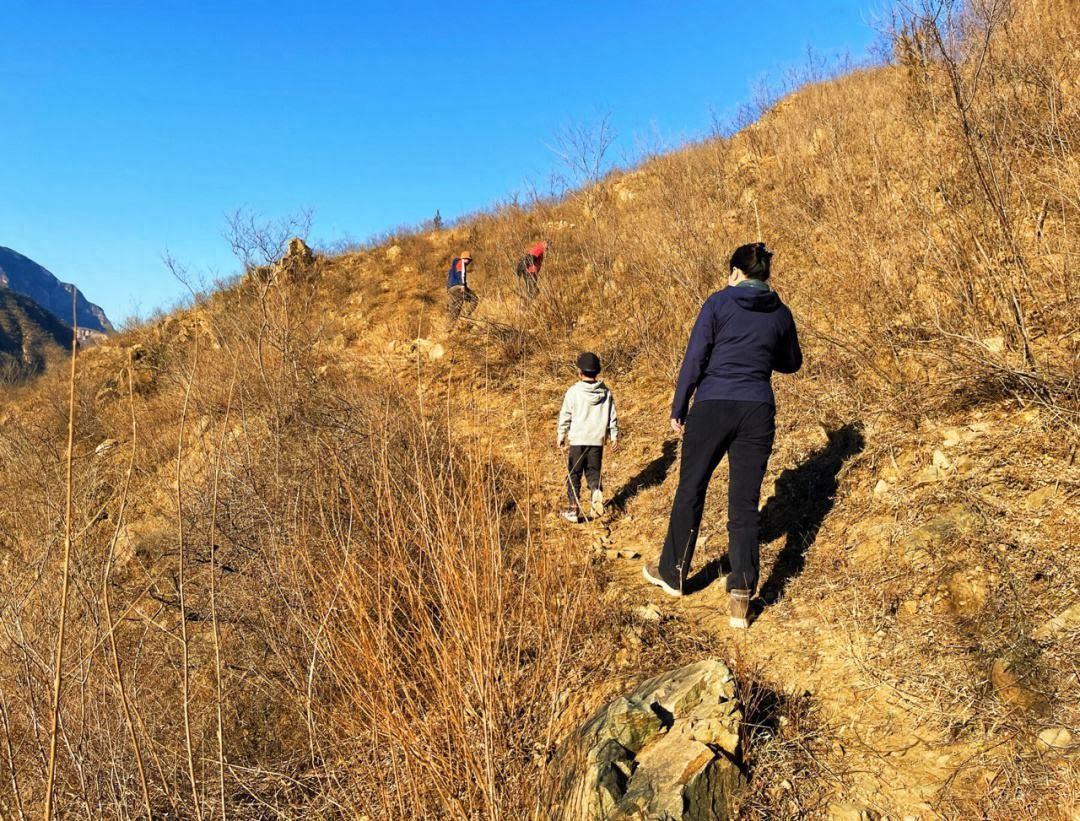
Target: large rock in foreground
668	750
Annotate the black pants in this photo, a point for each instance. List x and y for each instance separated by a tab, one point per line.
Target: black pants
745	432
587	460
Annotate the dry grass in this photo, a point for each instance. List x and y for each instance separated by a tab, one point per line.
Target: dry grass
311	576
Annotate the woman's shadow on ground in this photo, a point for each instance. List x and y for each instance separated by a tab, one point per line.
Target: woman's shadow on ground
802	498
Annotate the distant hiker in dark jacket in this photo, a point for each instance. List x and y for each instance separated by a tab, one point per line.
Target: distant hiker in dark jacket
586	421
742	334
462	300
528	269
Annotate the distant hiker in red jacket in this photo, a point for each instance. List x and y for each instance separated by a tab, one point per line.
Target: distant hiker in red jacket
528	269
462	300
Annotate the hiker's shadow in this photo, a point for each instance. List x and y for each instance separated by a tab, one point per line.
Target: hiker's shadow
649	476
803	497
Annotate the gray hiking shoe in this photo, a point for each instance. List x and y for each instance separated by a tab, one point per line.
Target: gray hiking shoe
572	515
740	609
651	572
598	502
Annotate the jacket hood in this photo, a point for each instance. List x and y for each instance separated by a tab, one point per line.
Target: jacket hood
754	299
595	391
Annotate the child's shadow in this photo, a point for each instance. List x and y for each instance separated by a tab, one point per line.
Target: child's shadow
649	476
802	498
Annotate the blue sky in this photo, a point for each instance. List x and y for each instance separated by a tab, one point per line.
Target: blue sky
130	128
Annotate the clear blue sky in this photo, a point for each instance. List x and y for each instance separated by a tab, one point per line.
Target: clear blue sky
133	127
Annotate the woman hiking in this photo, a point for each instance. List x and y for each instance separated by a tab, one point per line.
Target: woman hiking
742	334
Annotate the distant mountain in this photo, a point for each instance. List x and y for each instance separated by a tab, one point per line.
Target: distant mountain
28	335
23	275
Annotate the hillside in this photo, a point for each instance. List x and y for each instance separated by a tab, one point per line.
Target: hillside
29	335
316	568
24	276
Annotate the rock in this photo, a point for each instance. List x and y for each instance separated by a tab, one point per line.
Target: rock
717	724
668	750
611	554
1011	679
427	347
850	812
969	590
994	344
105	447
951	437
882	487
679	778
629	553
648	612
928	475
630	721
298	253
1038	498
392	253
1067	619
918	547
1055	738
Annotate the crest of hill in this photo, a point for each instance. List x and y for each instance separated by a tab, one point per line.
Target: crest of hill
23	275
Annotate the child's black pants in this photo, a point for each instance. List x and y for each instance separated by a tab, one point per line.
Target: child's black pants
587	460
744	431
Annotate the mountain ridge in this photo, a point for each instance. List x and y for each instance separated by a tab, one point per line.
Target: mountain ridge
28	277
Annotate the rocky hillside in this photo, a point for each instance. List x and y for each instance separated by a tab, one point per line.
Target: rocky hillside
29	336
26	277
315	566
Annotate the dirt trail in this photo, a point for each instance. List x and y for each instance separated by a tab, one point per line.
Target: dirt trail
880	751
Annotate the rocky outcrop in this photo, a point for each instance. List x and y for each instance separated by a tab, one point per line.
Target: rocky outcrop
668	750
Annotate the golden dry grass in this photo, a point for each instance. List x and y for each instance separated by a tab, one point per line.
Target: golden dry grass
313	573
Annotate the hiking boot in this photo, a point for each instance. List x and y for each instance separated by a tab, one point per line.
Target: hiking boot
598	502
651	572
572	514
740	609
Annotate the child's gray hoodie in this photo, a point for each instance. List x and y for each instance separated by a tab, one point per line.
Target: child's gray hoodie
588	415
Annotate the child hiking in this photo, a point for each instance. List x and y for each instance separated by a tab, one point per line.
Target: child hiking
461	300
586	421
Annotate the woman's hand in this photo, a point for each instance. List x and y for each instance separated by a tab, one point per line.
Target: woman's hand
677	426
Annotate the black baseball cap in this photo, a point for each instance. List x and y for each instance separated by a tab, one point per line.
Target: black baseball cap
589	363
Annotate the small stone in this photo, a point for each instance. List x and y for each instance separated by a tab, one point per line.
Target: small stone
648	612
1055	738
941	461
105	447
928	475
850	812
994	344
1010	680
611	554
629	553
882	487
1067	619
1038	498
